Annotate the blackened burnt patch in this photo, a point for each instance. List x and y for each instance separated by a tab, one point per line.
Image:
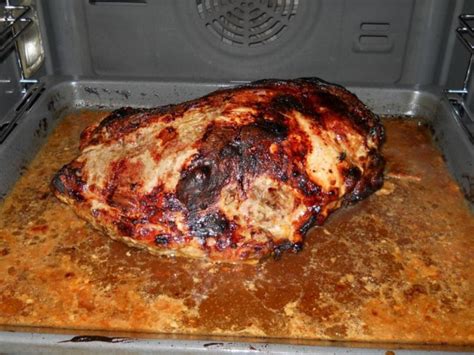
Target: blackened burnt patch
162	239
275	129
259	135
287	245
231	150
305	185
308	224
208	225
228	154
200	186
333	103
119	114
68	181
202	181
286	103
353	175
171	202
58	184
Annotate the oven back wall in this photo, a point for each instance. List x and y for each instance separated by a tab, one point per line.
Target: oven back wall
363	41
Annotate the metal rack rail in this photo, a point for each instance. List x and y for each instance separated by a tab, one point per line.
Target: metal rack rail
16	26
14	22
459	97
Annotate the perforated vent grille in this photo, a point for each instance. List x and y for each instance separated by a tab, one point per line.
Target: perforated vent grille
247	23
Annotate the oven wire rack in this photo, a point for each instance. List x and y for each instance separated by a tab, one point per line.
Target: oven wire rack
459	98
14	22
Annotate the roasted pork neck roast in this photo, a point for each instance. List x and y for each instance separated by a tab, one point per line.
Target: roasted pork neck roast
238	174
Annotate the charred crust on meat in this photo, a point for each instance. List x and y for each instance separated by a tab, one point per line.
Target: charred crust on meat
121	113
306	186
226	153
68	181
377	132
125	228
171	202
200	185
286	246
162	239
233	149
333	102
279	249
224	242
354	173
116	169
208	225
276	129
308	224
57	183
297	247
286	103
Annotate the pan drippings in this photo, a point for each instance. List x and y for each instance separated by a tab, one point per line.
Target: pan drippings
396	267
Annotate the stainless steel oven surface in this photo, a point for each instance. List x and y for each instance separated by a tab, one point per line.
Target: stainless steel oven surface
393	273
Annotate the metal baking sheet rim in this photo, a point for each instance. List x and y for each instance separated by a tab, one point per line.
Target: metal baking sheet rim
116	92
62	94
59	95
20	339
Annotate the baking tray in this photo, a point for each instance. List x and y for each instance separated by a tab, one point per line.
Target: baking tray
33	120
54	343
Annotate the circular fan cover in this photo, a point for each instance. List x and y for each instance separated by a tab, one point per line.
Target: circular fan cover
247	23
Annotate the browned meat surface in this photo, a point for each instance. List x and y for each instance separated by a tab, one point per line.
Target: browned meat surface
235	175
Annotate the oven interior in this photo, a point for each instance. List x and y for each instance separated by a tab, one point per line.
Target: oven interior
410	58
